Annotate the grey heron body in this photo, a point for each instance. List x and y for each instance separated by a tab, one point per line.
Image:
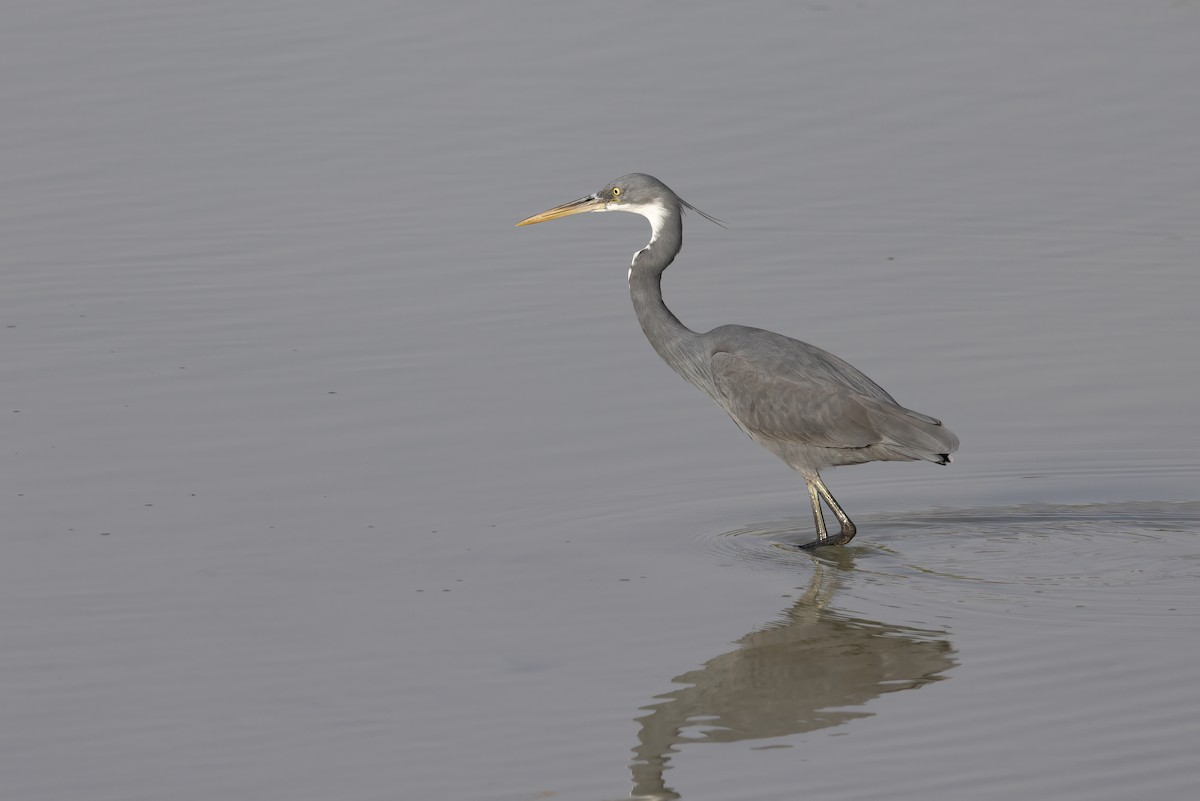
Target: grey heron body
805	405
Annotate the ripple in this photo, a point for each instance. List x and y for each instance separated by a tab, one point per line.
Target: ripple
1126	559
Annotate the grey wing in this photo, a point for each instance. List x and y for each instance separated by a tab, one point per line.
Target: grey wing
787	406
812	406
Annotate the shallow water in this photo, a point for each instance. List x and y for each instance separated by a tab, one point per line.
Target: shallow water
968	595
325	481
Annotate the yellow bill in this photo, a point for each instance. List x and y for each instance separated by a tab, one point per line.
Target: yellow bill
589	203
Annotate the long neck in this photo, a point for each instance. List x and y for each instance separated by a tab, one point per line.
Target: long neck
671	339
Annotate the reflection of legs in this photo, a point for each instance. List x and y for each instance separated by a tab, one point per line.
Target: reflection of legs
817	491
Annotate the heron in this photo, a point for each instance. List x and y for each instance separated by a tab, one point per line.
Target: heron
807	406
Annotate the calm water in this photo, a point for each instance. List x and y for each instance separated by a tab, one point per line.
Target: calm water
323	481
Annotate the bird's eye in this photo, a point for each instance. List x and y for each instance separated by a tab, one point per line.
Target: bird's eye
616	191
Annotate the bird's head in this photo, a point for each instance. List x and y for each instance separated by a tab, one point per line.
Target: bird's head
637	193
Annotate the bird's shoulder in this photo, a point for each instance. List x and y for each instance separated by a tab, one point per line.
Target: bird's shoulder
743	354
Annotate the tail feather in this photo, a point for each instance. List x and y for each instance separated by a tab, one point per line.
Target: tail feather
911	435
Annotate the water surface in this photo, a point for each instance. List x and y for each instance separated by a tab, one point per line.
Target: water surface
324	481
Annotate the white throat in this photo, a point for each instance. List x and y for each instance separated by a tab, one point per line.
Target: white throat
655	212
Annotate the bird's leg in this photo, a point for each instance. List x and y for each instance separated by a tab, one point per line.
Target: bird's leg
848	530
818	515
816	487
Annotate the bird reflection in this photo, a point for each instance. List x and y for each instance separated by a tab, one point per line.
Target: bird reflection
811	670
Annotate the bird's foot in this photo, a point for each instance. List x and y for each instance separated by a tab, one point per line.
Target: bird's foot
841	538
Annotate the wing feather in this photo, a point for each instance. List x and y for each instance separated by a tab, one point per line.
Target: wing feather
790	391
790	407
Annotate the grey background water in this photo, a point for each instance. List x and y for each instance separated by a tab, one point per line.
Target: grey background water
323	481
